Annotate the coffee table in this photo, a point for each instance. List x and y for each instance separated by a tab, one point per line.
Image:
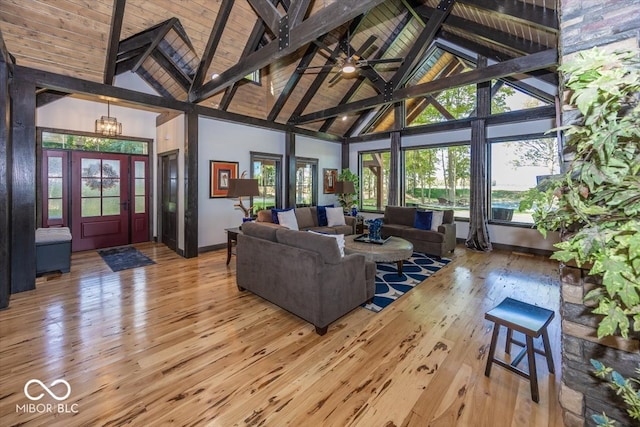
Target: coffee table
394	250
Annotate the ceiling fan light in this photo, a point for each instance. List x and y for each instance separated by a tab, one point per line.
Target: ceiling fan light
348	68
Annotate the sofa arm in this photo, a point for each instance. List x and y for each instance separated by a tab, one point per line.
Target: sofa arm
449	231
351	220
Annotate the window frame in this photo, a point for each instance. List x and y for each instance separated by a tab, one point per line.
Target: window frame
422	147
489	167
385	197
277	158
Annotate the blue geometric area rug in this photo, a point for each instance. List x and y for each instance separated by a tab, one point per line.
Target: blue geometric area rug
124	258
390	286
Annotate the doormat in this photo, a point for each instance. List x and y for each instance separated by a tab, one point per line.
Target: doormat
124	258
390	286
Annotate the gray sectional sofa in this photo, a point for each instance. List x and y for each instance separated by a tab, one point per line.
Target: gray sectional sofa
302	272
307	218
399	221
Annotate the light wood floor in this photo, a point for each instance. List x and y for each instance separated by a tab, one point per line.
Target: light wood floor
177	344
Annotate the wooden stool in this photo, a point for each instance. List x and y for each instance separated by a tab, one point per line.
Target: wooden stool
532	321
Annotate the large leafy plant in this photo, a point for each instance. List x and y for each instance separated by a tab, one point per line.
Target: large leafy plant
596	202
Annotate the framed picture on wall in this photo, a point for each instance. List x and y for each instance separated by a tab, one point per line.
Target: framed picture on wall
220	172
330	176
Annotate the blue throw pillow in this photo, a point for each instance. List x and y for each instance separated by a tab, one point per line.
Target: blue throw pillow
422	220
274	214
322	215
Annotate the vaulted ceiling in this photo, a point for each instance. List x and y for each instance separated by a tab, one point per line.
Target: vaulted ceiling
202	51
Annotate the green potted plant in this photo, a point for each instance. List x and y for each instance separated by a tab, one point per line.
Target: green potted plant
595	203
349	200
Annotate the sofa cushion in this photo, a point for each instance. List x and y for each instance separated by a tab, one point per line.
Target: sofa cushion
288	219
304	218
264	215
335	216
261	231
341	229
395	229
414	234
436	220
399	215
322	245
274	214
339	240
423	220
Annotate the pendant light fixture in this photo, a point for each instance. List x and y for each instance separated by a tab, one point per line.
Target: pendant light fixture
107	125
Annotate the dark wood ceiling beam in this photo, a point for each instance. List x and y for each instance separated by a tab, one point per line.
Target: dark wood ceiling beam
520	116
517	45
115	30
358	84
370	73
422	43
68	84
546	75
520	12
139	40
312	49
297	10
320	23
176	73
321	77
545	59
257	34
268	13
212	43
154	44
48	96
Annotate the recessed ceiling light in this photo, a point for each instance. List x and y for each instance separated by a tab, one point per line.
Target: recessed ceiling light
344	118
214	76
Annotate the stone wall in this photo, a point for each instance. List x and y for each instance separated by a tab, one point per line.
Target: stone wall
583	25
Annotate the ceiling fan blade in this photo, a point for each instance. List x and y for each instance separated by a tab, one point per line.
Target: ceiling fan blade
323	46
366	45
335	78
318	67
366	62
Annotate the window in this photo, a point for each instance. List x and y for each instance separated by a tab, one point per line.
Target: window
510	98
515	168
306	182
438	177
267	170
253	77
54	169
93	143
374	179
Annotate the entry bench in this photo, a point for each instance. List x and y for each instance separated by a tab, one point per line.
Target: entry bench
53	250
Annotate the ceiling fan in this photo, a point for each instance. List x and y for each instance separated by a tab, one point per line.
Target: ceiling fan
351	62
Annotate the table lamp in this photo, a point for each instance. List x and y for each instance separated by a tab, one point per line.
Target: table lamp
242	187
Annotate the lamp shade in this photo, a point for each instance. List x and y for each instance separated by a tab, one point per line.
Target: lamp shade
243	187
345	187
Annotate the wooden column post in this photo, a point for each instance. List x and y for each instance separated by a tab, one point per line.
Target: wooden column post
5	184
23	185
345	156
393	198
191	185
290	170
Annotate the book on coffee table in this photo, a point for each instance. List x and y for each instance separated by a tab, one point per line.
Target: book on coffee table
364	238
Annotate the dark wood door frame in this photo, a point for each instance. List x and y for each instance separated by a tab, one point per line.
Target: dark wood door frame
161	199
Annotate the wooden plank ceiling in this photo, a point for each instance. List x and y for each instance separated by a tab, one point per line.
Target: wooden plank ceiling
176	46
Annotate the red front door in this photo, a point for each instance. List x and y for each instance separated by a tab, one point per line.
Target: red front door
100	194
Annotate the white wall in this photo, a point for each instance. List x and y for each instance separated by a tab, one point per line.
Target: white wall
219	140
328	155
